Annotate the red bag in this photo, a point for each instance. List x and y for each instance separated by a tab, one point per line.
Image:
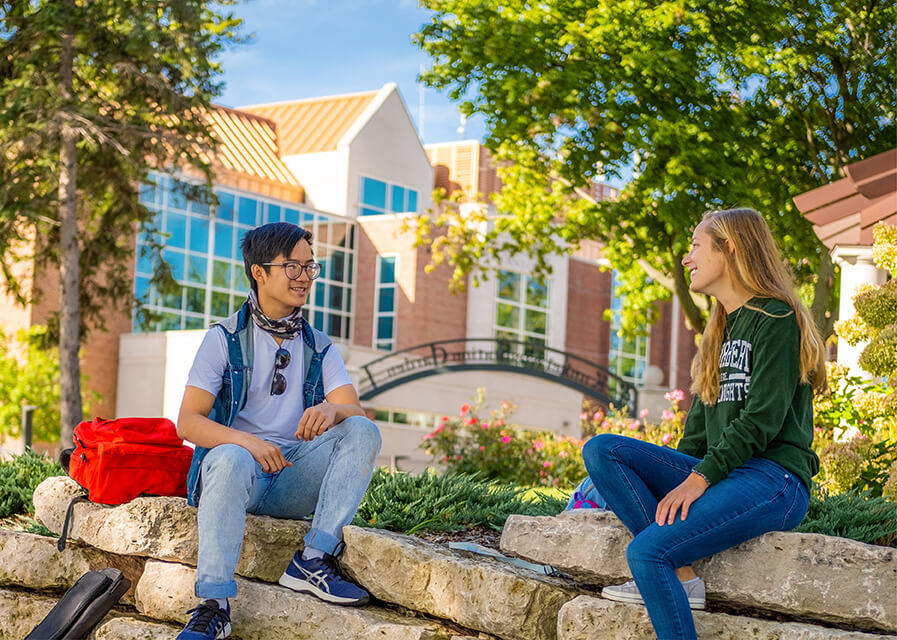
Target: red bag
118	460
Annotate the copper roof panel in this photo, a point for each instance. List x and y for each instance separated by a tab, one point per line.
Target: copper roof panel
314	125
823	195
861	171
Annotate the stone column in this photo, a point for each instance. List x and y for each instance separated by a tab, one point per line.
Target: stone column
857	268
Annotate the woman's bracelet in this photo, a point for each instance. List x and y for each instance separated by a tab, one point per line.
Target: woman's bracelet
698	473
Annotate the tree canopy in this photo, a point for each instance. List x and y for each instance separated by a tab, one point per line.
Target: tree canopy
711	104
94	94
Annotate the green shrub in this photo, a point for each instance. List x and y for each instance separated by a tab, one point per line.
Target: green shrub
450	502
855	515
18	479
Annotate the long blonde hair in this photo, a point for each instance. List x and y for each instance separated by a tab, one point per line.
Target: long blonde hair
754	262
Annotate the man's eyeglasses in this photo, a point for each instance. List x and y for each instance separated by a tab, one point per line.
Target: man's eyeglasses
293	270
279	382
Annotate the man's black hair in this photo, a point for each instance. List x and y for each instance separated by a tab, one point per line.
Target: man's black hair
263	244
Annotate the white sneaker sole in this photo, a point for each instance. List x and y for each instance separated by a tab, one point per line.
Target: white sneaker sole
635	598
301	586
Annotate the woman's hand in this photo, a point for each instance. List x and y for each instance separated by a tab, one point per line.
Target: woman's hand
692	488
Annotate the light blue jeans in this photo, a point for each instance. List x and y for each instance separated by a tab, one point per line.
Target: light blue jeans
329	477
633	476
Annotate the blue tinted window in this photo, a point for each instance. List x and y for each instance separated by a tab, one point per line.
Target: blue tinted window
199	235
291	216
387	270
144	260
221	274
370	212
176	198
318	320
224	240
336	297
384	328
334	323
307	220
319	294
196	269
238	253
274	213
201	208
238	275
148	193
338	272
176	228
142	289
193	323
246	214
387	300
225	209
397	202
412	201
176	260
373	192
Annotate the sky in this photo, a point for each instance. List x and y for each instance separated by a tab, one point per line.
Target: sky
311	48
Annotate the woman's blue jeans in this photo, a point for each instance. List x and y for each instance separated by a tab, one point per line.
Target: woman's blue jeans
329	477
633	476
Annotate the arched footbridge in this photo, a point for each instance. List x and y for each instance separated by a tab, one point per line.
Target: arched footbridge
496	354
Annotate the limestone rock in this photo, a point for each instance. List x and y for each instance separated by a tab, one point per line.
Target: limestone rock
264	611
20	612
164	528
589	618
32	561
478	592
127	628
810	576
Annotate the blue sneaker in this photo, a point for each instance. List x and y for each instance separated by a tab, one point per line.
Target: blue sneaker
208	621
319	577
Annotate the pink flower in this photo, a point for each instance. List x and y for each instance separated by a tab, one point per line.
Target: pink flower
632	426
445	458
643	413
484	425
667	437
562	454
458	457
506	439
505	405
482	447
438	429
668	415
677	395
598	415
502	433
538	444
605	424
445	418
429	436
583	416
465	408
470	421
546	464
499	422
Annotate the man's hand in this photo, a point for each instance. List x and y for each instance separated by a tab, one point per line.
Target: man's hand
316	420
692	488
266	454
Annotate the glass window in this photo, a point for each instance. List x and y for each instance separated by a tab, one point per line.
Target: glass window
176	228
627	357
412	201
196	299
397	201
220	304
373	193
225	210
274	213
521	312
246	214
221	274
199	235
387	269
387	300
385	303
291	216
224	240
176	260
148	194
176	198
196	269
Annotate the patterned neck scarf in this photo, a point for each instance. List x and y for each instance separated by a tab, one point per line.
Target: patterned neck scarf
286	328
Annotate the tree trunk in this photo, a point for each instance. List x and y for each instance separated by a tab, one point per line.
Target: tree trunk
71	411
822	294
680	288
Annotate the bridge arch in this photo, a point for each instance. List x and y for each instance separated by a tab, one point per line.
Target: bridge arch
496	354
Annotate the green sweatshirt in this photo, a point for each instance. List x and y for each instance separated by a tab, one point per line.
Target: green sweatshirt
763	410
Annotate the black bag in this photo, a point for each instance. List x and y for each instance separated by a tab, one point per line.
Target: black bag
83	606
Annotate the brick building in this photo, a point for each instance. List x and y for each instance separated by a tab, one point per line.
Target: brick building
351	168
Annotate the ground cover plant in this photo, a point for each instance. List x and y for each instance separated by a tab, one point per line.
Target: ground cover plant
18	479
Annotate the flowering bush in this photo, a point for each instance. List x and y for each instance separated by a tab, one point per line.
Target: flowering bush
496	449
855	435
666	432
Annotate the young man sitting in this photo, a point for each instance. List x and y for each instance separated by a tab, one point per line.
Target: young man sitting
266	440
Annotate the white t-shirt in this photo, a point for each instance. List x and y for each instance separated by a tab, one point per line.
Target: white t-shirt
271	418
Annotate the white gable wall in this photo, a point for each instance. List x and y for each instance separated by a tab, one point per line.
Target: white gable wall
323	176
386	147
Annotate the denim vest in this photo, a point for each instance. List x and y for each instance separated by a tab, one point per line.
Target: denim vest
238	372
